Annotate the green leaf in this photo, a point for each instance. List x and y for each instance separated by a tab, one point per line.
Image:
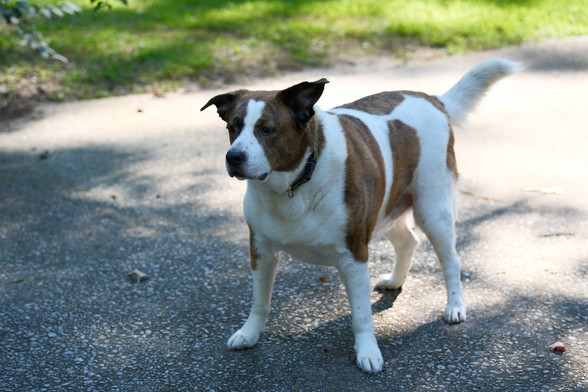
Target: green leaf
56	11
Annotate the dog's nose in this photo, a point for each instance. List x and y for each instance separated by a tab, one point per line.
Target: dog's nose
236	157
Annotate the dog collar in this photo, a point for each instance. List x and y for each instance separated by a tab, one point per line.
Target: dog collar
306	174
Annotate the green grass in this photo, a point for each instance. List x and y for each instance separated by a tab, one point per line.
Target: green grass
171	42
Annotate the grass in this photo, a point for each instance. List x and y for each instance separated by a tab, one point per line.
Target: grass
168	43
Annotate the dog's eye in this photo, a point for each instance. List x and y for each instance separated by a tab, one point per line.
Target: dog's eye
232	129
265	131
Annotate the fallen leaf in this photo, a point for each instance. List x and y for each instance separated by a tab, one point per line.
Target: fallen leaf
322	278
477	196
556	190
558	347
137	275
157	92
563	234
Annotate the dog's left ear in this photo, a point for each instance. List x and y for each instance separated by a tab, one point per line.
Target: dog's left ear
223	102
301	98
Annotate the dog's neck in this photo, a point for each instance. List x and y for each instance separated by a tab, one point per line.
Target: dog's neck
307	172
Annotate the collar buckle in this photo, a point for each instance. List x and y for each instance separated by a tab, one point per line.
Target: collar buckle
305	176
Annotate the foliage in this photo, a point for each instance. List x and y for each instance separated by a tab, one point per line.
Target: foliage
105	4
20	14
168	43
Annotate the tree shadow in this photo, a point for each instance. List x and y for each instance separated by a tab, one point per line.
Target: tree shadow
503	345
76	222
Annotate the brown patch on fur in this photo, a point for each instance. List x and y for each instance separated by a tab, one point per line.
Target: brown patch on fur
380	104
286	146
384	103
253	253
405	154
364	185
319	136
432	100
451	161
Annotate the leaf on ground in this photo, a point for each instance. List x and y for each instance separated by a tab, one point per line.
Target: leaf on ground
558	347
477	196
137	275
555	190
557	234
157	92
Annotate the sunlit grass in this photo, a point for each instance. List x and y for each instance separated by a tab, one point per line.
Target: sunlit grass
169	42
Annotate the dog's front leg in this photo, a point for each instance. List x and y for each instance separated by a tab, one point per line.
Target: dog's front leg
264	268
356	279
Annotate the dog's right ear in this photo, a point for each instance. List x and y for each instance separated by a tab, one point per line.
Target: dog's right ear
222	102
301	98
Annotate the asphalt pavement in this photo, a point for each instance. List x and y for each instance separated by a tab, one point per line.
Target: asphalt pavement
90	191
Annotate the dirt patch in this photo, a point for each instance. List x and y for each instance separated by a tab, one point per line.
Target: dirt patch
23	97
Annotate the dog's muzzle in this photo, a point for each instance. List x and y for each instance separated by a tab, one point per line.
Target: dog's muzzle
236	159
236	166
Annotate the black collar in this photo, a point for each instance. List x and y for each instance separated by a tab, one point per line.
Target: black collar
306	174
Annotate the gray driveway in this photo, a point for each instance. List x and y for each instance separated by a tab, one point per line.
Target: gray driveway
91	190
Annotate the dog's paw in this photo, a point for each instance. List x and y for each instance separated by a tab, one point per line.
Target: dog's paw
389	282
368	355
371	362
455	314
241	339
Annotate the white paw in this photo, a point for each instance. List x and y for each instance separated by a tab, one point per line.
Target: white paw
241	339
388	282
368	358
455	313
371	362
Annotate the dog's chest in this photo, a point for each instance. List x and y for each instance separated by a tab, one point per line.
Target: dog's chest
308	231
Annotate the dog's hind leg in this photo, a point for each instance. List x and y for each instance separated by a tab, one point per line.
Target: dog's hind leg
434	211
264	274
405	242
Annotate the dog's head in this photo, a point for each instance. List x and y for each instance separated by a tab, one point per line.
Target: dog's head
268	130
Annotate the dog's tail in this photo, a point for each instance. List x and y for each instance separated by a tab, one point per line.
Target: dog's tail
465	94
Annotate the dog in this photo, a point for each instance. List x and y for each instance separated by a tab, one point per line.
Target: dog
321	184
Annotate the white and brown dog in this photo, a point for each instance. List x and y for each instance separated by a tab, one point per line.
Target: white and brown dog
322	183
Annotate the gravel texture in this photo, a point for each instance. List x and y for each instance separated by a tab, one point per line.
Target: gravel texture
90	191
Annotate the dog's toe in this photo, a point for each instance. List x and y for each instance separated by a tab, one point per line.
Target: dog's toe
241	340
370	363
455	314
389	282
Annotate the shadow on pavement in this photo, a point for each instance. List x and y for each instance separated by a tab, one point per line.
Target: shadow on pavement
76	221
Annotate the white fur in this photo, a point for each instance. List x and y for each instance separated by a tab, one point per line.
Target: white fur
463	97
257	163
311	225
283	222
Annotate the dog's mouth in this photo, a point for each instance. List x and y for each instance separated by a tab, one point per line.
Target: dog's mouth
241	177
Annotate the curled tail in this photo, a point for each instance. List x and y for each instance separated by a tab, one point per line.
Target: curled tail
469	90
